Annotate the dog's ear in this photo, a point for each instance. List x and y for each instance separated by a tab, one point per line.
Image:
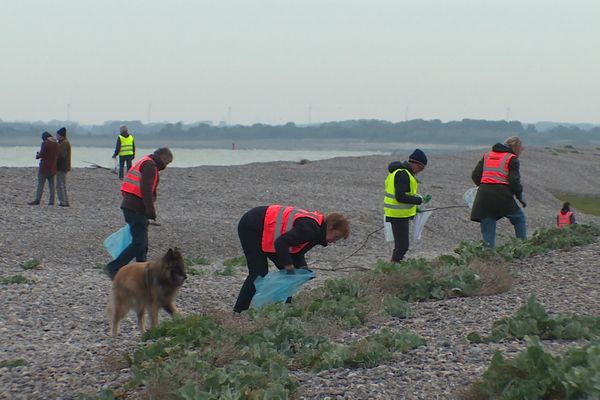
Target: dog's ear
170	253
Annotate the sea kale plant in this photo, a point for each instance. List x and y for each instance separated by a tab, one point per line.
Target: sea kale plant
532	319
537	374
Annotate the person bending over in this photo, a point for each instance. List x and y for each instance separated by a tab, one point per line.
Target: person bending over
282	234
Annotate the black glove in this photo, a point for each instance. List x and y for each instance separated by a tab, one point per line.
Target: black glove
523	203
151	214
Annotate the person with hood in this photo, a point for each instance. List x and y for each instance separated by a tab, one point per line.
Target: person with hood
139	194
401	199
47	155
63	165
497	175
125	149
283	234
565	216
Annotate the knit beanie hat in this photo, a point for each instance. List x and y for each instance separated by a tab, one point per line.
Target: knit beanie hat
46	135
62	132
419	157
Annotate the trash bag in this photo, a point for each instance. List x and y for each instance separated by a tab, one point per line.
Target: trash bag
387	230
278	286
420	221
469	196
118	241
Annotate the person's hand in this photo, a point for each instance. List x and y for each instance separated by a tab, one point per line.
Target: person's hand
419	211
114	156
290	269
427	198
523	203
151	215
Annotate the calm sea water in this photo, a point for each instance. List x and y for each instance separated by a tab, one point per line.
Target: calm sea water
24	156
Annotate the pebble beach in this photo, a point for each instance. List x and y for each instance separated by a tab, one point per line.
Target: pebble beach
59	324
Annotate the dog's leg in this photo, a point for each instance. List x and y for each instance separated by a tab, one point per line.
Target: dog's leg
153	314
120	308
141	316
171	308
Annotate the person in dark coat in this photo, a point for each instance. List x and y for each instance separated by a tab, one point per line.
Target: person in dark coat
299	231
47	155
139	194
63	166
499	184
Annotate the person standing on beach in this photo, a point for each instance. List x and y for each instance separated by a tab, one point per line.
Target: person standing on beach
125	149
47	155
401	199
499	180
139	194
63	165
283	235
565	216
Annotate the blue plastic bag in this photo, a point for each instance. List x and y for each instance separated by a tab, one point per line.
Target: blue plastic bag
118	241
278	286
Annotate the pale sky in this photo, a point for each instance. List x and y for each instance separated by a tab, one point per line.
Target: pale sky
293	60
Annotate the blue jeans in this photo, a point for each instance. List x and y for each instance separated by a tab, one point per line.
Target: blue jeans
488	227
138	225
122	161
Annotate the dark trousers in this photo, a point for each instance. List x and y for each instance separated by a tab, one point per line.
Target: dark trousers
401	243
61	188
250	238
42	178
138	224
122	161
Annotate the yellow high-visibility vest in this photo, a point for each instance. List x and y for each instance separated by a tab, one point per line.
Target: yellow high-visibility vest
392	207
126	148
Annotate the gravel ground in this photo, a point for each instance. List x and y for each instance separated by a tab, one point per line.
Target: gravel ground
58	325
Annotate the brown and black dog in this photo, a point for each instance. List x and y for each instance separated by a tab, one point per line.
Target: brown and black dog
147	285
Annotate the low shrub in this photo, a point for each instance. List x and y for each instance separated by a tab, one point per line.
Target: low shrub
532	319
195	272
418	280
396	307
195	260
229	270
31	264
15	280
17	362
236	262
537	374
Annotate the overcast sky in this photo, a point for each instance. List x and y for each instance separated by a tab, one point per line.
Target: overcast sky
276	61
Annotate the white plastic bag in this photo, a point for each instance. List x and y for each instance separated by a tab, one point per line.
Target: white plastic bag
387	230
470	195
118	241
420	220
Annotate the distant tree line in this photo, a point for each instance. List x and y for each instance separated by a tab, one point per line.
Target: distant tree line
467	131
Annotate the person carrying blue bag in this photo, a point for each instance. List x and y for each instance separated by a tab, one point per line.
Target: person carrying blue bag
139	194
282	234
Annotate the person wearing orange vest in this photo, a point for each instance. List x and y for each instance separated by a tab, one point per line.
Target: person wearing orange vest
139	194
498	177
565	216
282	234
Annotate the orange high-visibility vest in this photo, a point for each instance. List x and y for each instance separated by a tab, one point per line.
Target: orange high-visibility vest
279	220
495	167
564	219
132	183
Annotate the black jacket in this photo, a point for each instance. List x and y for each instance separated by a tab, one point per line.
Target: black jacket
497	200
305	230
402	184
